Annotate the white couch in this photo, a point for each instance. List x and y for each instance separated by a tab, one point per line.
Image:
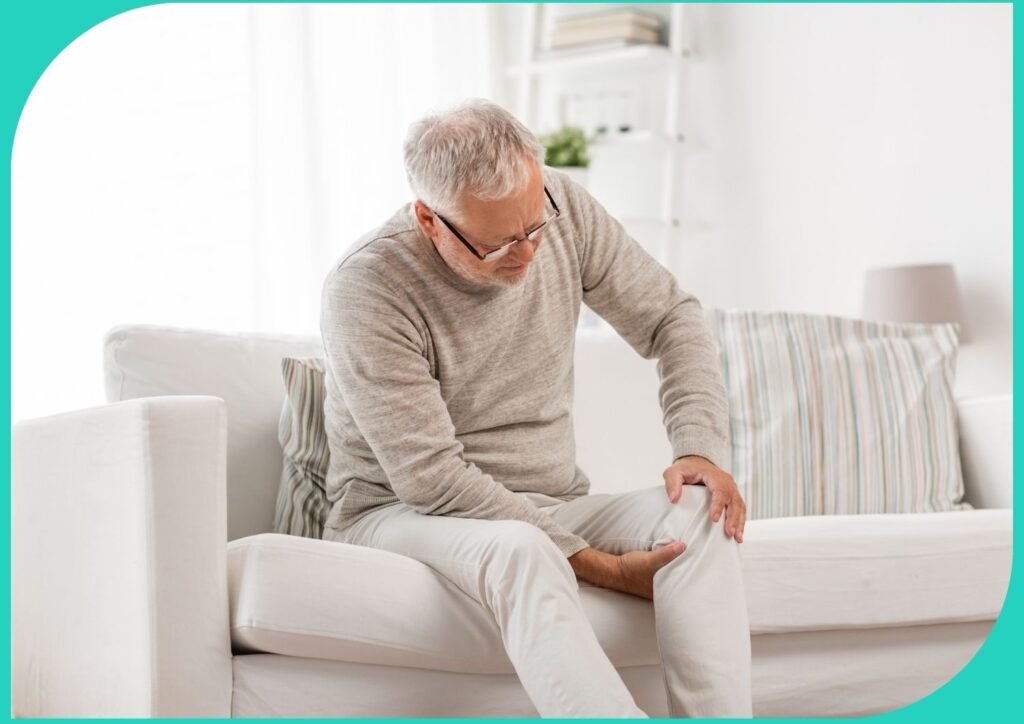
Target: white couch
146	583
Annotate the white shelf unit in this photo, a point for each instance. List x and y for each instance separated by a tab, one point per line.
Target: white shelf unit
641	55
637	174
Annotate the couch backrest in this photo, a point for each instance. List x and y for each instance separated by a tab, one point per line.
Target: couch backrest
621	442
986	450
244	370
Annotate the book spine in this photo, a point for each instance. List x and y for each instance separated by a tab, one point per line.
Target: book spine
631	18
643	35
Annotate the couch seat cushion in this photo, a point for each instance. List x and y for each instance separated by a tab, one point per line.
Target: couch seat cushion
884	569
323	599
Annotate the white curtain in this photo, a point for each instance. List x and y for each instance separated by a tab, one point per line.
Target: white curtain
203	166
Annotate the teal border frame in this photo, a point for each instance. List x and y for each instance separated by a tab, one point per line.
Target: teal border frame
32	34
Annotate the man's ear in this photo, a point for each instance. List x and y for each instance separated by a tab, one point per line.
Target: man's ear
425	219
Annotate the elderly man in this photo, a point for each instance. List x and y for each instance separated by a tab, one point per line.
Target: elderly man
449	332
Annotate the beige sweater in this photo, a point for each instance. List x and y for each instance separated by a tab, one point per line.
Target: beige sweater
452	397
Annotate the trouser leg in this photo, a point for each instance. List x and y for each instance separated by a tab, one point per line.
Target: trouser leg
515	571
699	600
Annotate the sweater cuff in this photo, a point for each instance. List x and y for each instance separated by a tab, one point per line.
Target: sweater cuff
695	440
569	543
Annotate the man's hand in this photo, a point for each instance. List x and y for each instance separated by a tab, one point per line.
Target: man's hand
631	572
693	470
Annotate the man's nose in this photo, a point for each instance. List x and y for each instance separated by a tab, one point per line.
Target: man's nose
523	251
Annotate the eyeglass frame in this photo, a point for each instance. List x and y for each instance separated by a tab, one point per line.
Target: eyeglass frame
504	248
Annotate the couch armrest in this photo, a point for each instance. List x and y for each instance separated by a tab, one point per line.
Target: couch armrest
986	450
119	567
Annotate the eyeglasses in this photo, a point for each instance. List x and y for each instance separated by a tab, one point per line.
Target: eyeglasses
504	249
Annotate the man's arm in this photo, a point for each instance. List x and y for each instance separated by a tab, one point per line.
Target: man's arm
643	302
375	353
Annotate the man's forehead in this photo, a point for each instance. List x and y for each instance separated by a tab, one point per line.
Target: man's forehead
535	218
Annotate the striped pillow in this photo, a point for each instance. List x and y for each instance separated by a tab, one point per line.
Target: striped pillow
302	499
839	416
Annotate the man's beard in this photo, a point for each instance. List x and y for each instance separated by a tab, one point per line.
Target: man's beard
489	280
509	280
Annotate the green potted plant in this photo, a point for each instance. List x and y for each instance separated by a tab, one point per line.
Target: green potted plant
567	151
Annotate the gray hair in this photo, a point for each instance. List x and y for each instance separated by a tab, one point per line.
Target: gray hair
475	147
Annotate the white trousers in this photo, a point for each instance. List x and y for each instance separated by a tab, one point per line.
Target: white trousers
514	570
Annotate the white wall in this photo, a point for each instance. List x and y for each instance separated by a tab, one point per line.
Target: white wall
839	137
132	188
836	137
854	136
202	165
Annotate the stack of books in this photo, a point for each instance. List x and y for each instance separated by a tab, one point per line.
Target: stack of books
609	29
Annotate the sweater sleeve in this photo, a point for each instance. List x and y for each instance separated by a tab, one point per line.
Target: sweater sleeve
376	354
644	303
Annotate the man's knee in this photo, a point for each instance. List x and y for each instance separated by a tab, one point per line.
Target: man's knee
692	512
695	496
694	502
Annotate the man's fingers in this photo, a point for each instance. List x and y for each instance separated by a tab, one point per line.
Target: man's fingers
667	552
734	519
674	487
717	504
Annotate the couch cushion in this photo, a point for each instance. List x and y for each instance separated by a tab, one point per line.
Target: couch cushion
243	369
862	571
840	416
323	599
330	600
302	503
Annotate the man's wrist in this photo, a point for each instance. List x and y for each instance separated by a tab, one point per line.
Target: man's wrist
594	566
701	457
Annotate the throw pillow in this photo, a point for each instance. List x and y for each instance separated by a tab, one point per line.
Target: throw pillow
840	416
302	504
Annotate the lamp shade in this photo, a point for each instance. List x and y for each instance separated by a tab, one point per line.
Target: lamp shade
925	293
